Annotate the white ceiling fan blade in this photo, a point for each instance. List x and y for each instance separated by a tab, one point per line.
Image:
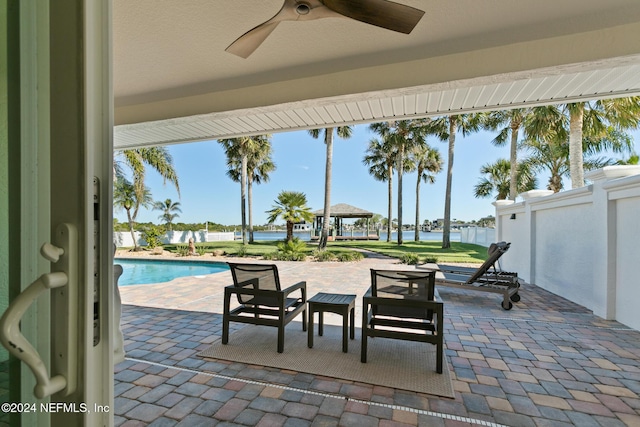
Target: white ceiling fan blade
381	13
247	43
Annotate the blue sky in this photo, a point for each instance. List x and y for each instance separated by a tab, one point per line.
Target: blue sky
207	194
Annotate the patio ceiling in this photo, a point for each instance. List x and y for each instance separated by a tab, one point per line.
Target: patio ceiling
174	82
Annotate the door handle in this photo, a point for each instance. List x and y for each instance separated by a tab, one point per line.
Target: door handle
63	284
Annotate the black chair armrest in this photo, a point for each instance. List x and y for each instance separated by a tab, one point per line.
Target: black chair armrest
233	289
437	306
250	282
300	285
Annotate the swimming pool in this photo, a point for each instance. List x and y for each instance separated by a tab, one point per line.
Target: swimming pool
140	272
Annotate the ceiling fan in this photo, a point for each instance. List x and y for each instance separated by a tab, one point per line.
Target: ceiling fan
381	13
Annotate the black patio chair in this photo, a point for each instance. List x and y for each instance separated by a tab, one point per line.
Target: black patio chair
262	301
402	305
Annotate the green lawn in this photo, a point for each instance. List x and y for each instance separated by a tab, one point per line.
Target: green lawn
458	253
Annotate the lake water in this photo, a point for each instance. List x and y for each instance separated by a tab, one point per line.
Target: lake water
406	235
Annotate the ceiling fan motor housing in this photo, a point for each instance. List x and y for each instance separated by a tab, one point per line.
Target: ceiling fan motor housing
303	8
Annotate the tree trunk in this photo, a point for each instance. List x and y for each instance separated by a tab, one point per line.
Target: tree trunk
400	173
446	228
133	234
416	235
289	231
243	198
250	204
328	140
555	183
390	204
576	161
513	184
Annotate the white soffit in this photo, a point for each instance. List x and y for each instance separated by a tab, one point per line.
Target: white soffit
538	87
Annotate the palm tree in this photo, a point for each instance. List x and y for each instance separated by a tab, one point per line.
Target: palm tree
427	163
169	210
507	123
404	134
631	160
592	119
553	155
126	197
259	166
135	159
292	207
446	128
498	180
381	157
548	140
343	132
241	148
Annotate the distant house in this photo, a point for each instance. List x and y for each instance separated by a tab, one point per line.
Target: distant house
302	226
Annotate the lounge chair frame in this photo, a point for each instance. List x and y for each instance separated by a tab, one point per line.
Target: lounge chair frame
262	301
410	313
486	278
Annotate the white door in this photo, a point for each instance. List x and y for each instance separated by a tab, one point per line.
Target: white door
55	178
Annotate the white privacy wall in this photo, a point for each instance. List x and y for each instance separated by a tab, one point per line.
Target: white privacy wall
581	244
124	240
627	271
565	248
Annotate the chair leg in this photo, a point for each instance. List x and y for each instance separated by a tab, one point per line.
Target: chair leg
353	323
281	337
304	319
363	346
439	355
225	316
345	328
225	330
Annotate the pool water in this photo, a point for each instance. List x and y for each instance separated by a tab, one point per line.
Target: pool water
140	272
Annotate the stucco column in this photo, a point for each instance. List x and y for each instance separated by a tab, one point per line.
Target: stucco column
604	238
531	248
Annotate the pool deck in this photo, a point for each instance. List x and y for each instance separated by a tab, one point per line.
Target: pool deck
546	362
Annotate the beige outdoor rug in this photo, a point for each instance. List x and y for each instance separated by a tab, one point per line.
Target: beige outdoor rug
391	363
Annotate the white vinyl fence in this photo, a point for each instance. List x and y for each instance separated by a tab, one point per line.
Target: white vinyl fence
478	235
124	239
581	244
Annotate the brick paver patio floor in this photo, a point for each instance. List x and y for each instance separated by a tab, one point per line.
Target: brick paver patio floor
546	362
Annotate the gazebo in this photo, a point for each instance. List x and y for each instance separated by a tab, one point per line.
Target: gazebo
339	212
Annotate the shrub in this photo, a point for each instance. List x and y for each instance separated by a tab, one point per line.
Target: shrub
182	250
293	245
151	234
431	259
281	256
271	256
200	250
292	256
292	250
343	256
243	251
323	256
410	258
350	256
